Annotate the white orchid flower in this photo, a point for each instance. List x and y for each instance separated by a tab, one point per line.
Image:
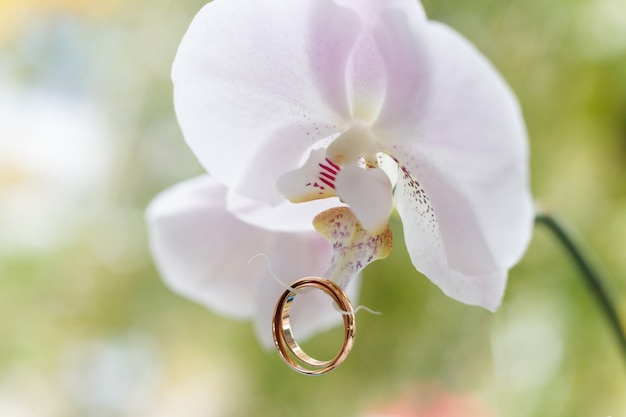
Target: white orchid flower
356	102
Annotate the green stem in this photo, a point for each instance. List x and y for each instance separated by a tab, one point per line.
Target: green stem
589	274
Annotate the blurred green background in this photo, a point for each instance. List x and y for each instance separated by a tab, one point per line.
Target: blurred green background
88	136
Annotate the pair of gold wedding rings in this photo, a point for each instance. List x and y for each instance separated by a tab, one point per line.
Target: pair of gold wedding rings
286	344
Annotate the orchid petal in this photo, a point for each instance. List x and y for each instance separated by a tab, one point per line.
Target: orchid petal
369	10
446	95
404	52
493	195
368	193
208	255
447	246
451	120
201	251
366	79
353	247
257	83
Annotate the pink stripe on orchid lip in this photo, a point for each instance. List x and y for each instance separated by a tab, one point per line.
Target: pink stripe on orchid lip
333	164
325	181
329	169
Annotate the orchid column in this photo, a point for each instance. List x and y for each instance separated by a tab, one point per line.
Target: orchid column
298	107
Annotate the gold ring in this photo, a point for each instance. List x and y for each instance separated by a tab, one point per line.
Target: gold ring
284	340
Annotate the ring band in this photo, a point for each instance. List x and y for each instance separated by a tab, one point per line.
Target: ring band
286	343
